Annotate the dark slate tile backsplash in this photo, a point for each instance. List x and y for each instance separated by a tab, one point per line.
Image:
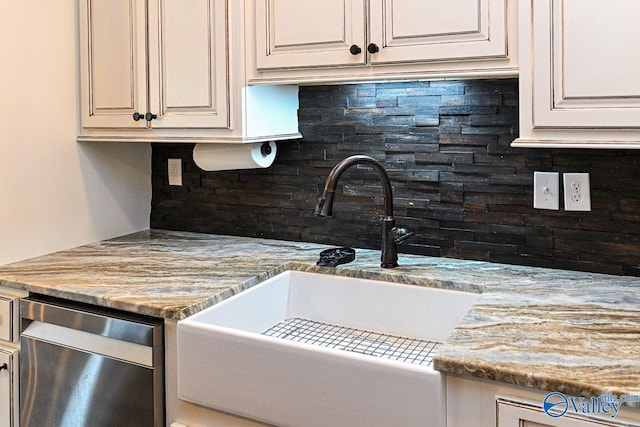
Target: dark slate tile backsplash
457	182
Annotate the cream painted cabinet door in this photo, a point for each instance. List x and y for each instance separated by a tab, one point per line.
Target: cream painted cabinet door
164	57
437	30
114	63
511	413
584	73
188	77
9	387
309	33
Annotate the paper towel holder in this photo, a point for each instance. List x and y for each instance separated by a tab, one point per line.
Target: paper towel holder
234	156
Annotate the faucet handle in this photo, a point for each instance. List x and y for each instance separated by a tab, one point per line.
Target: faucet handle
401	234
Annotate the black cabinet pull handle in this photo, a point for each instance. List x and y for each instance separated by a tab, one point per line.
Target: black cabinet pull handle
138	116
4	366
373	48
148	117
355	49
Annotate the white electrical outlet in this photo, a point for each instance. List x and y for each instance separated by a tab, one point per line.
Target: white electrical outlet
175	171
577	192
546	190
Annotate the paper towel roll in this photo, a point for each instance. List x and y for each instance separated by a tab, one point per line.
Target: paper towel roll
219	157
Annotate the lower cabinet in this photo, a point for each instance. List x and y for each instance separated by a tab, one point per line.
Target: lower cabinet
9	352
480	403
9	387
517	413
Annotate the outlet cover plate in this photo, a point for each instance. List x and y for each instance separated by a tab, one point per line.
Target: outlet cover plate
577	192
175	171
546	190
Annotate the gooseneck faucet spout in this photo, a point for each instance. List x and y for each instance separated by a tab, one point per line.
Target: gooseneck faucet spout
391	235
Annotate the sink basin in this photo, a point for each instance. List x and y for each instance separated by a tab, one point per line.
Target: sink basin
306	349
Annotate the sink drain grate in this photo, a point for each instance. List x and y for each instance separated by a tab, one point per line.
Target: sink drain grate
385	346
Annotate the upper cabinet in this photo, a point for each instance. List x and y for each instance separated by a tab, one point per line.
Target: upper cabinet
437	30
188	66
580	86
169	70
170	63
294	33
349	40
114	62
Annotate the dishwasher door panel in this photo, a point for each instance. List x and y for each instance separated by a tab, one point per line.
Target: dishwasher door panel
84	389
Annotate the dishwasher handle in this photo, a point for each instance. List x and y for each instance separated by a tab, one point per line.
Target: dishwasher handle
108	323
90	343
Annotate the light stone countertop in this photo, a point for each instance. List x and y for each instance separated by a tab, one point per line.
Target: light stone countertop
556	330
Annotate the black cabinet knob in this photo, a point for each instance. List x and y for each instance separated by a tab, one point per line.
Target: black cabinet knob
138	116
148	117
355	49
4	366
373	48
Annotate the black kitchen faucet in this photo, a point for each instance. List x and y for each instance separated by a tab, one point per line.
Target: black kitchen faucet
391	235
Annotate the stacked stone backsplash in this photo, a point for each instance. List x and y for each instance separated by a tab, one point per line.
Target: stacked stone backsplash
457	182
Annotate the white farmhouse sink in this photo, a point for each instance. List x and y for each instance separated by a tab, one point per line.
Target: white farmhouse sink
227	363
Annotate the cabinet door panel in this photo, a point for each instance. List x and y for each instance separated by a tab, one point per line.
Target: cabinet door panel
521	414
438	30
583	72
9	387
188	63
438	18
114	69
308	33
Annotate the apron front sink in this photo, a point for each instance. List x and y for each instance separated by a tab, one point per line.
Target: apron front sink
307	349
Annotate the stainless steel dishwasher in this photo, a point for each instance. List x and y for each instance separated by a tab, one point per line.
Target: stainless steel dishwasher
82	365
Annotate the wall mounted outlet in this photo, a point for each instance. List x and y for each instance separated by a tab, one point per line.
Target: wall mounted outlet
577	192
175	171
546	190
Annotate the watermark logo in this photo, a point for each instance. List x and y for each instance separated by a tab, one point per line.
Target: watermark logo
555	404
